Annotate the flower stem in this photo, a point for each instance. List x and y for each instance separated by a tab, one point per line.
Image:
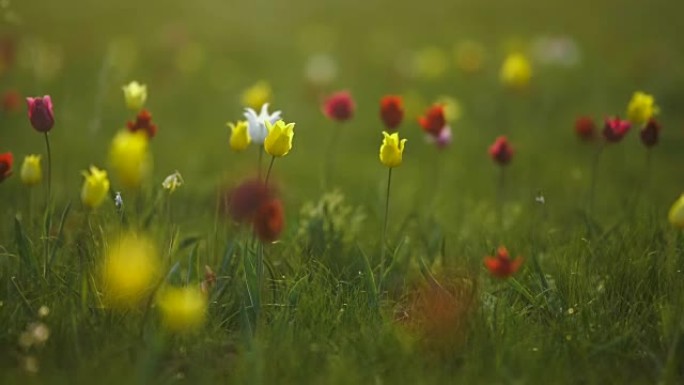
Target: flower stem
49	168
500	194
268	173
261	157
330	157
384	225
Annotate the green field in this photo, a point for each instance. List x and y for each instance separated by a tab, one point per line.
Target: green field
599	298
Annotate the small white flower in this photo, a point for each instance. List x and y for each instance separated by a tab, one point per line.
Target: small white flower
256	124
118	200
173	181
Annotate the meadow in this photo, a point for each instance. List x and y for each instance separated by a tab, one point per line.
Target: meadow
204	256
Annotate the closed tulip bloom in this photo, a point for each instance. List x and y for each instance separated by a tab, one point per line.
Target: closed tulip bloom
278	142
391	150
95	187
135	95
31	172
131	269
650	133
6	161
392	111
501	151
257	122
257	95
676	215
239	135
434	120
615	129
40	113
183	309
641	108
516	71
269	220
501	265
129	158
339	106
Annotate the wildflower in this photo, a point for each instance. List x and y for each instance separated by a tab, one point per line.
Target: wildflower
135	95
257	95
143	122
444	138
118	200
40	113
501	151
31	171
339	106
239	135
434	120
173	181
182	309
131	267
391	150
269	220
129	158
650	133
11	101
279	140
516	71
95	187
256	123
676	214
391	111
615	129
501	265
641	108
585	128
244	200
6	161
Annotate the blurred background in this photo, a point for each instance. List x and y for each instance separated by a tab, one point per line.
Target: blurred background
197	58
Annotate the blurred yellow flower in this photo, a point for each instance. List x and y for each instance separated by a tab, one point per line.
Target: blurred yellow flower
257	95
452	108
131	269
182	309
392	149
516	71
31	171
641	108
430	63
95	187
129	158
135	95
278	142
239	135
676	215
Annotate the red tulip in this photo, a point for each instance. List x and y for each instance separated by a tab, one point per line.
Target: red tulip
392	111
501	265
6	161
433	121
143	122
650	133
339	106
585	128
269	220
244	201
615	129
501	151
40	113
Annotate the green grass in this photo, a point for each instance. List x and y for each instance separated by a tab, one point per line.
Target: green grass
599	298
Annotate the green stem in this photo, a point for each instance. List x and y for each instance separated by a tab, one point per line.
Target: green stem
48	224
330	157
261	157
500	194
49	168
384	225
268	173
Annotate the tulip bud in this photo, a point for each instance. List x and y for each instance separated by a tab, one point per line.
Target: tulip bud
31	171
135	95
615	129
391	111
650	133
40	113
501	151
278	142
6	161
95	187
239	135
339	106
392	150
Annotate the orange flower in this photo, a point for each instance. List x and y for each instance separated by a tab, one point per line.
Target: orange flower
501	265
269	221
433	121
391	111
6	161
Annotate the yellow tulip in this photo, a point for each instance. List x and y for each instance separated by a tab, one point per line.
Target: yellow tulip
95	187
182	309
516	71
676	215
129	158
135	95
31	171
239	135
257	95
278	142
641	108
131	269
392	149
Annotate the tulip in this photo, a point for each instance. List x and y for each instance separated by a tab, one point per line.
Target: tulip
95	187
40	113
269	220
516	71
641	108
501	265
243	201
676	214
391	150
135	95
257	95
143	122
131	268
501	151
129	158
256	123
433	121
31	171
239	135
339	106
392	111
650	133
182	309
615	129
6	161
278	142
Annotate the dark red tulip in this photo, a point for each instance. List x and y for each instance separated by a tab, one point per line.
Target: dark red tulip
501	151
269	220
615	129
244	201
339	106
40	113
392	111
433	121
650	133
